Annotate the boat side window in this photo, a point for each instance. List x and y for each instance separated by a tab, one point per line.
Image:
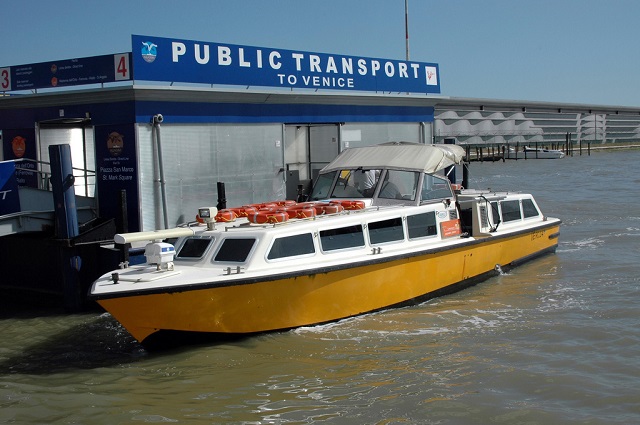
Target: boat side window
194	248
234	250
398	184
422	225
510	211
323	185
290	246
435	187
341	238
386	231
529	208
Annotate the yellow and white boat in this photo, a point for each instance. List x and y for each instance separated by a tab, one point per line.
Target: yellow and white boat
382	229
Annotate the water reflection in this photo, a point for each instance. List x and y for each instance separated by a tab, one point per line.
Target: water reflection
92	343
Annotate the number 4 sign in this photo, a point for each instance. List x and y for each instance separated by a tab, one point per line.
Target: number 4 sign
122	67
5	79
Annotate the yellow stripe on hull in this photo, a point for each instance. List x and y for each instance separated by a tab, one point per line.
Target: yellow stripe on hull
323	297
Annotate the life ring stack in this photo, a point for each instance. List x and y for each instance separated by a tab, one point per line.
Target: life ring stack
281	211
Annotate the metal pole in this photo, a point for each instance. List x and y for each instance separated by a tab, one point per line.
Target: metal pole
406	25
62	181
157	119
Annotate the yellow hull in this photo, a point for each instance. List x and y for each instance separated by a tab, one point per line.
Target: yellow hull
322	297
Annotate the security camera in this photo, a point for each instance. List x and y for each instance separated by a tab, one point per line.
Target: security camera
158	118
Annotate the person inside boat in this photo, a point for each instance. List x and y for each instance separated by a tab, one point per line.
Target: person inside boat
365	181
389	189
345	186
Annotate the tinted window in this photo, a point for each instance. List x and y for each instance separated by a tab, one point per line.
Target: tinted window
194	247
235	250
421	225
529	208
510	210
290	246
344	237
386	231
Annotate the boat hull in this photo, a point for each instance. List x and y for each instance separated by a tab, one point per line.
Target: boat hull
326	295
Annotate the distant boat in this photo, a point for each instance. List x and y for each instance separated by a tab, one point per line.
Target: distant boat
534	153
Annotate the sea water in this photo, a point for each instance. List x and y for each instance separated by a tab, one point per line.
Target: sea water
554	341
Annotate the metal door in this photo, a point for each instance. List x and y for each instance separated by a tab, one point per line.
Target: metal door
78	134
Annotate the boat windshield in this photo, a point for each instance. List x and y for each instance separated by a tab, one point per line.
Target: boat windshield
435	187
359	183
323	186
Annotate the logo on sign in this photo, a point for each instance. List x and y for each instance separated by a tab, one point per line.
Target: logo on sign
115	143
432	76
19	146
149	51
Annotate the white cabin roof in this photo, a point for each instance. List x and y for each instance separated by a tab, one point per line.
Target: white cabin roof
400	155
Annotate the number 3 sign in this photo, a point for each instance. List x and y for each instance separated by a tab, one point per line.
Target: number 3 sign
5	79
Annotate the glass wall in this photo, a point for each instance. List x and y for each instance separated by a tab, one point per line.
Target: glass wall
364	134
247	158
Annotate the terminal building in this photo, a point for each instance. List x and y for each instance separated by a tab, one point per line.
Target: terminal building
165	123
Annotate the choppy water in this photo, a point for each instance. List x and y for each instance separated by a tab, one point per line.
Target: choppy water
555	341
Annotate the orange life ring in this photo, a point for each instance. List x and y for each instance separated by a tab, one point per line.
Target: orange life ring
292	212
328	208
268	206
226	215
350	204
199	219
301	210
263	206
304	212
263	217
246	210
310	204
286	203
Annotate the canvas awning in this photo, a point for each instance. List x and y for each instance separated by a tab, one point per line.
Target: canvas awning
398	155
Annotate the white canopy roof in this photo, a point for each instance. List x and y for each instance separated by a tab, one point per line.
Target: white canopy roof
399	155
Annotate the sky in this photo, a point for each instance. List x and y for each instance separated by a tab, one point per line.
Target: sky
569	51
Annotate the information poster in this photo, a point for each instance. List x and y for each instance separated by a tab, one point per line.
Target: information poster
116	170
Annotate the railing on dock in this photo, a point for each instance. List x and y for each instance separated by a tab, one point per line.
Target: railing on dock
37	174
27	200
492	152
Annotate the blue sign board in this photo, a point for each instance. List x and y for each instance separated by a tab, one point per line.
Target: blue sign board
9	198
187	61
69	72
